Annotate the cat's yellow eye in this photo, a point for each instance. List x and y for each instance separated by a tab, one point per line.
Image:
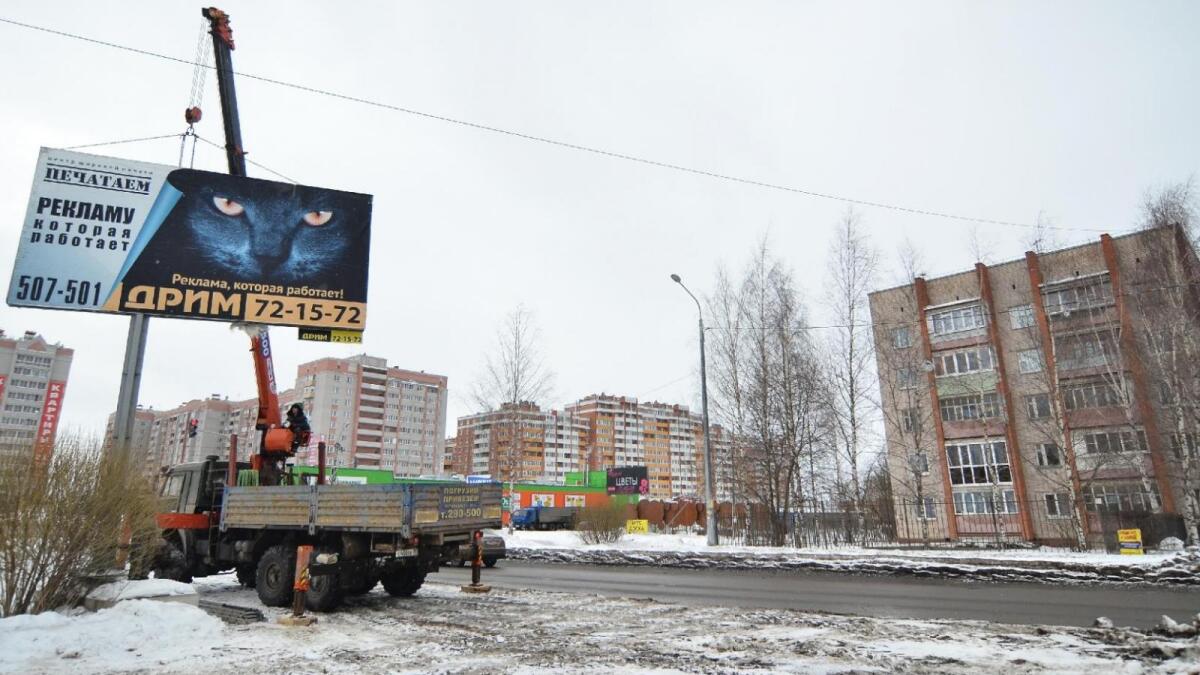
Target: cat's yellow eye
317	218
228	206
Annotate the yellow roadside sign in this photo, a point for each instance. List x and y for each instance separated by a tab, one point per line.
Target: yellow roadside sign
1130	542
637	527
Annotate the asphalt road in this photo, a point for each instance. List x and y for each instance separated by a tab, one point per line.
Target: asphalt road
878	596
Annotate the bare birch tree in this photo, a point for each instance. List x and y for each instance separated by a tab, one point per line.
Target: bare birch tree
514	375
907	410
851	273
1166	329
768	388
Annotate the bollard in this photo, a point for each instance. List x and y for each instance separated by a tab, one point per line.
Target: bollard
300	588
476	585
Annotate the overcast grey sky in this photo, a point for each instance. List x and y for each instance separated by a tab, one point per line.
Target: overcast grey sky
996	110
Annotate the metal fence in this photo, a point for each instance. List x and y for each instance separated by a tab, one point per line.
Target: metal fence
905	524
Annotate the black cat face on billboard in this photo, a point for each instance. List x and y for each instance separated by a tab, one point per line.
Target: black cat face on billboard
258	231
113	235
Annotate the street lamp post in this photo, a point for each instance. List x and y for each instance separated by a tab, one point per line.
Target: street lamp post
710	488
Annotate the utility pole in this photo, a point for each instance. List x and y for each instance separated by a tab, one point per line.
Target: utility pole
710	488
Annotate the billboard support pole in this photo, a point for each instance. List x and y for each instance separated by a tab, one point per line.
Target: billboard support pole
131	381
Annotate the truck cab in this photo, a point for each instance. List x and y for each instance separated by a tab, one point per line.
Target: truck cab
189	512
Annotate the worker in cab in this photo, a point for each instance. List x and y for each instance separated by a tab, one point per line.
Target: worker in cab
297	422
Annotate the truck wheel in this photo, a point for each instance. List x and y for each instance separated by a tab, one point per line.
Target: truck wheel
403	582
489	562
245	574
275	574
324	590
172	565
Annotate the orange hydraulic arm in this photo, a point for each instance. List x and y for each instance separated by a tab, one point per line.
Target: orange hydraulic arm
277	440
264	373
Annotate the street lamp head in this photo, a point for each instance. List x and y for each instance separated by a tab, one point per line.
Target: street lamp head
676	279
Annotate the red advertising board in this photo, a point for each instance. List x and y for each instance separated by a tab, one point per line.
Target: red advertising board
3	381
44	445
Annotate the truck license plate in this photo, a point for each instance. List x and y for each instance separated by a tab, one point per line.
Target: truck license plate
406	553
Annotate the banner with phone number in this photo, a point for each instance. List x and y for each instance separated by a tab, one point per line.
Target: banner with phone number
113	235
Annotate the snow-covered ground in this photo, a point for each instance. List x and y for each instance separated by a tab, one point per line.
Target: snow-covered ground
443	630
690	551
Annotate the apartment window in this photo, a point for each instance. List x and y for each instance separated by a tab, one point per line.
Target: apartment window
907	378
1179	442
1049	454
963	361
1030	361
1120	497
1038	406
1090	394
1110	442
1085	350
1021	316
919	462
985	502
926	509
957	320
901	337
909	421
970	407
1097	292
1058	505
975	463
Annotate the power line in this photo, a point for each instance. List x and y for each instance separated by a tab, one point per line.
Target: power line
555	142
1010	310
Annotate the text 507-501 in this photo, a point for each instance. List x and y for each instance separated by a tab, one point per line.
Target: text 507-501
58	291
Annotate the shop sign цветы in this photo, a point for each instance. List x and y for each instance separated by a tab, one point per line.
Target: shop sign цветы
113	235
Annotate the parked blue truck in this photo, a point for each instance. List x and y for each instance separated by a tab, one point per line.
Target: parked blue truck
544	518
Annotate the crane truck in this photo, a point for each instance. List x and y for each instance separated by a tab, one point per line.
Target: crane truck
361	534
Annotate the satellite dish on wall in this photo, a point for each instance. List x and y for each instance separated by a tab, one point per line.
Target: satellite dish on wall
927	366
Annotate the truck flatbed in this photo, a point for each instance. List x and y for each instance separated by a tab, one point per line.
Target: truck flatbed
406	510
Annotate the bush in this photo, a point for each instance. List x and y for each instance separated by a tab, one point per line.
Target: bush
62	520
601	524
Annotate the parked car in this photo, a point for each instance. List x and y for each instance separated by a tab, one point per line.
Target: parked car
493	550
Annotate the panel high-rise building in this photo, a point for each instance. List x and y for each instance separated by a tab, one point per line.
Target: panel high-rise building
33	384
525	442
370	415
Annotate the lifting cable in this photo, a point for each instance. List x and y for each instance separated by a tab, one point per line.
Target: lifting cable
193	112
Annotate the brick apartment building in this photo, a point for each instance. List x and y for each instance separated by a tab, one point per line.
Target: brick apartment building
596	432
33	384
987	375
369	414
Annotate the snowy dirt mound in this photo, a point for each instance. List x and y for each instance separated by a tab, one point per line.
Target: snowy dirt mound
138	634
144	588
1182	569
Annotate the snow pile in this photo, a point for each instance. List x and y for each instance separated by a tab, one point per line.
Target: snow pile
144	588
139	634
689	551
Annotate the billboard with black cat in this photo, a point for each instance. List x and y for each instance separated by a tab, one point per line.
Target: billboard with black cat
113	235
